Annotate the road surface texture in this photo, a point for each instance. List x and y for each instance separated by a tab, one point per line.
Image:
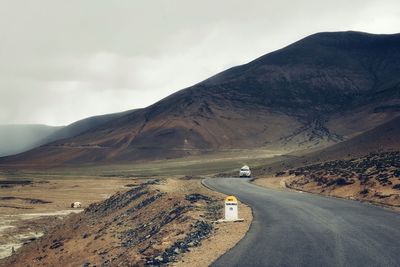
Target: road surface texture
300	229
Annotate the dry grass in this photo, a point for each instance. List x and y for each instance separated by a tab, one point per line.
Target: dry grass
208	164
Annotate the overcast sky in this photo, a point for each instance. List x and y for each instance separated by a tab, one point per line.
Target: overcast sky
61	61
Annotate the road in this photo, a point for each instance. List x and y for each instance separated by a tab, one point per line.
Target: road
300	229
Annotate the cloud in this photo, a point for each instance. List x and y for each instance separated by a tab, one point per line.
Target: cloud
66	60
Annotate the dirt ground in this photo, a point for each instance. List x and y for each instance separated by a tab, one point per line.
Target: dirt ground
57	194
29	211
226	234
277	183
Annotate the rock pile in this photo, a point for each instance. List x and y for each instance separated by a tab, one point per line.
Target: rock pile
196	197
201	230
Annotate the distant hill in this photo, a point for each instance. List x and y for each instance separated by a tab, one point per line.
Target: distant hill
319	91
19	138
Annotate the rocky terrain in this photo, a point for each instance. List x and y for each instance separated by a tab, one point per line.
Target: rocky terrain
306	95
375	178
151	224
384	138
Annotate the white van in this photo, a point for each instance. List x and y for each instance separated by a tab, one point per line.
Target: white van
245	171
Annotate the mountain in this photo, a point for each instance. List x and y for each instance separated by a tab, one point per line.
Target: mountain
321	90
19	138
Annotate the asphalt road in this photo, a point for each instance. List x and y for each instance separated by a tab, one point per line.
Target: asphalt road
300	229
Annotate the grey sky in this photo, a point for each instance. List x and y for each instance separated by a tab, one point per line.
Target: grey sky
65	60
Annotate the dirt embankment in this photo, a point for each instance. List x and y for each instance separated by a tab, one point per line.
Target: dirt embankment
224	236
374	178
151	224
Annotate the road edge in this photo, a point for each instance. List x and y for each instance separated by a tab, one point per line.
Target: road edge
243	203
294	189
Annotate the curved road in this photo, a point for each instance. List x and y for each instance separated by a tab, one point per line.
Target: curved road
294	229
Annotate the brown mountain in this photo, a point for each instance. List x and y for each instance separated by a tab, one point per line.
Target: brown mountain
320	90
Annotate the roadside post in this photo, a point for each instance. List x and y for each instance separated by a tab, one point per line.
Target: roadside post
231	208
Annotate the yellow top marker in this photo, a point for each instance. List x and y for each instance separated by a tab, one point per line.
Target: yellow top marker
231	199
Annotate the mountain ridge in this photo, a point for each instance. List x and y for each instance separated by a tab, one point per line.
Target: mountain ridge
303	95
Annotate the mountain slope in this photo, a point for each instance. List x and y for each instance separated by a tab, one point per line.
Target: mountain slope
83	125
384	138
305	95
